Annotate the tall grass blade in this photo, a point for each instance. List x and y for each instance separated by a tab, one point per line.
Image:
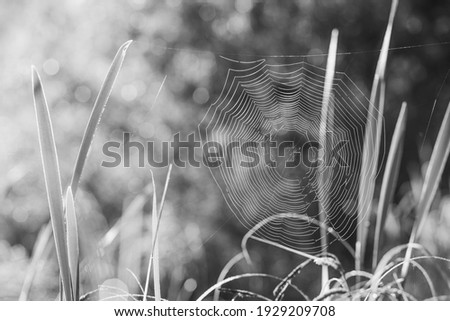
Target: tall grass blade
431	183
155	246
97	111
154	254
326	127
389	179
52	179
372	142
73	247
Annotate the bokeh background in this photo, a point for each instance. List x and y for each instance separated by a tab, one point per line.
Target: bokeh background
72	44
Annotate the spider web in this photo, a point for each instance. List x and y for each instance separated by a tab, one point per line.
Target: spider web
263	104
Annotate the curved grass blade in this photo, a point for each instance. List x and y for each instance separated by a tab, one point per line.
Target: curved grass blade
433	175
281	288
269	219
234	260
242	276
389	179
329	293
97	111
372	143
249	235
73	248
52	179
244	294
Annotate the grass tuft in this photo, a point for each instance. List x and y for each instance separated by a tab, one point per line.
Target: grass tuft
433	175
372	143
67	243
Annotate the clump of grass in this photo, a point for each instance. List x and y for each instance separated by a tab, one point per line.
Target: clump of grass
433	175
62	216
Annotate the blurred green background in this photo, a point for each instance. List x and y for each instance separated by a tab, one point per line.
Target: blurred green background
72	44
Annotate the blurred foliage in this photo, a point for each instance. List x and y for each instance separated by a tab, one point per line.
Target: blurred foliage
72	43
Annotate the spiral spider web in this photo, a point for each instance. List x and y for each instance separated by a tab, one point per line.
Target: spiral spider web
262	103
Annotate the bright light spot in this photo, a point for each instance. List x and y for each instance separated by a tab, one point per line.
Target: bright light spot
414	25
200	95
51	67
237	24
316	57
129	92
190	285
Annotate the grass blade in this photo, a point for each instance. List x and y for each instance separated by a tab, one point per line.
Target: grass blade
52	179
431	183
97	111
256	227
389	179
155	246
243	276
73	247
326	126
234	260
154	255
372	142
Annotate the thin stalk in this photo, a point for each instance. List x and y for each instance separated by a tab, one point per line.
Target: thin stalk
389	180
326	127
